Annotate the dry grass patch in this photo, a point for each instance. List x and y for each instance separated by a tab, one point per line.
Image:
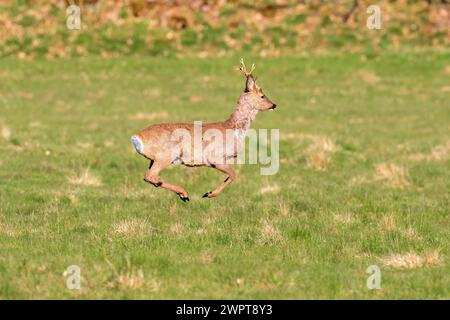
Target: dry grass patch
196	98
318	153
438	153
411	234
210	220
176	229
344	218
6	230
85	145
132	229
412	260
133	193
284	209
6	133
108	143
134	280
270	189
358	180
200	231
149	116
388	223
269	234
131	278
35	124
25	94
296	136
366	76
131	281
207	257
154	92
447	69
86	178
397	176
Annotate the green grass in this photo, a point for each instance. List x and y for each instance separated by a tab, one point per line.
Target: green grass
58	118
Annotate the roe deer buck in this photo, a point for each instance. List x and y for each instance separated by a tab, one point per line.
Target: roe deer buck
170	143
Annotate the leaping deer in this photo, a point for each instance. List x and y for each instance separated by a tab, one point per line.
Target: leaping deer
163	145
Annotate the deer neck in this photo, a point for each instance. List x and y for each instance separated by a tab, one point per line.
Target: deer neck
242	117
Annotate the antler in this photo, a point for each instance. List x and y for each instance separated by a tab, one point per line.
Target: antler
244	69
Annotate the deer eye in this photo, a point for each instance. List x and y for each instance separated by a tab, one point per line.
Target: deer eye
262	97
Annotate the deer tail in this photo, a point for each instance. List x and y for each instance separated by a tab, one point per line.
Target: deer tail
138	144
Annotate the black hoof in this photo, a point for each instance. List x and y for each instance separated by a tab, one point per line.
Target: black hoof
206	195
184	198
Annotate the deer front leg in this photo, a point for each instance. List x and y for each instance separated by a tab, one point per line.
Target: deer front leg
152	176
231	177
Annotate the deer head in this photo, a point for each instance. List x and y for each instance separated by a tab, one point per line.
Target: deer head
253	93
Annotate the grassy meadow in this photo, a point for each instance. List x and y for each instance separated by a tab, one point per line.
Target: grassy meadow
364	180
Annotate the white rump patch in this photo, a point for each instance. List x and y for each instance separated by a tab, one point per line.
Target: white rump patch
138	145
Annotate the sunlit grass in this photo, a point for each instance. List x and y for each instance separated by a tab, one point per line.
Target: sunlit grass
363	180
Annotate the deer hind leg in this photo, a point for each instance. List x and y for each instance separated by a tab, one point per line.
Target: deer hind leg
231	177
152	176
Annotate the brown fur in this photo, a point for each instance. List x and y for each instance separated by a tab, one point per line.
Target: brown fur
160	147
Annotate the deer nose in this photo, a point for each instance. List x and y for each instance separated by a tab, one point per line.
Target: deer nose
274	106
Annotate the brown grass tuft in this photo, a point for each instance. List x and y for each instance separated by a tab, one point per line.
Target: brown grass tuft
367	77
207	257
200	231
319	153
131	280
85	145
6	230
411	234
447	69
153	93
358	180
196	98
269	234
6	133
85	179
176	229
396	175
284	209
296	136
388	223
150	116
412	260
269	189
132	229
344	218
210	219
438	153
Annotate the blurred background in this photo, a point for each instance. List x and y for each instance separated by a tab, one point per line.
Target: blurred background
37	28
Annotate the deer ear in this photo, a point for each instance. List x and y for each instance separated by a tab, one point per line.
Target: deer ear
250	85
